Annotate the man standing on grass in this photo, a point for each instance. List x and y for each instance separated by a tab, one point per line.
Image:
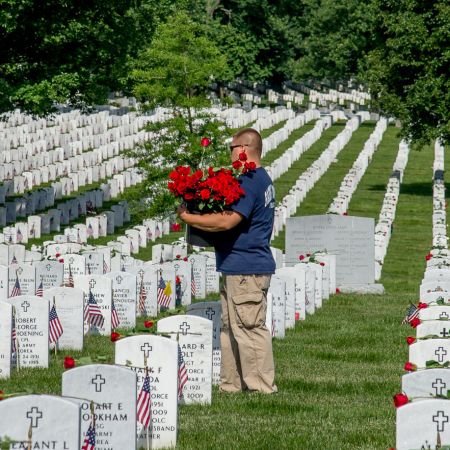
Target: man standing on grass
243	255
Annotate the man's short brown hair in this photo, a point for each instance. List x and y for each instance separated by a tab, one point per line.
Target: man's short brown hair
252	139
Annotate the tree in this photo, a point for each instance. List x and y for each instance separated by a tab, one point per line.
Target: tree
409	73
175	71
70	51
336	36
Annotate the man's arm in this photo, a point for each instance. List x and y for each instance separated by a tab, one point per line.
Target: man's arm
222	221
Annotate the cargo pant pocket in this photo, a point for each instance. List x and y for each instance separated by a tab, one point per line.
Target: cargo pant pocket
250	309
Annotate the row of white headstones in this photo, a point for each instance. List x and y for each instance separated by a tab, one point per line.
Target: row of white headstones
424	422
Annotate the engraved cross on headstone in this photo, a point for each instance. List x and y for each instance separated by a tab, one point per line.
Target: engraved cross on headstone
25	305
141	273
99	381
440	353
146	348
438	386
119	279
444	333
184	327
34	414
48	267
20	270
92	283
443	315
210	313
440	419
71	260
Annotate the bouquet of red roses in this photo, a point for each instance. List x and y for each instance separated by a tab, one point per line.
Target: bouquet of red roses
212	190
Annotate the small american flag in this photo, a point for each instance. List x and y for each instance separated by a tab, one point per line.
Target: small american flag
144	403
55	329
193	289
157	232
93	313
40	290
115	321
164	293
69	282
13	333
89	439
411	313
182	373
105	266
142	297
149	233
90	230
273	327
19	236
16	291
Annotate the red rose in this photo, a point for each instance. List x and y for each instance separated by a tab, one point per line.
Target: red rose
61	260
57	255
322	264
345	214
176	227
338	291
115	336
297	316
251	165
243	156
205	194
410	367
301	257
205	142
422	305
177	280
2	395
69	362
308	254
410	340
148	324
415	322
188	196
400	400
185	258
429	256
237	164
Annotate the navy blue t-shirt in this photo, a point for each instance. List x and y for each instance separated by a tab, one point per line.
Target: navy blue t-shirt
245	249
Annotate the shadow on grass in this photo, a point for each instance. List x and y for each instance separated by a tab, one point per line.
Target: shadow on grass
424	189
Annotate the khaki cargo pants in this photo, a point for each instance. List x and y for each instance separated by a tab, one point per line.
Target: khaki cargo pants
247	360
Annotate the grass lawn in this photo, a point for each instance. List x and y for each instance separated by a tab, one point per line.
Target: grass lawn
337	371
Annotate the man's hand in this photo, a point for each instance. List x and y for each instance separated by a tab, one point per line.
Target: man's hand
182	212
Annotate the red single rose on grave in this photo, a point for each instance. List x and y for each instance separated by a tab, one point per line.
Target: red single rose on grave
243	156
148	324
185	258
422	305
61	260
237	164
205	142
415	322
410	340
345	214
308	255
301	257
177	280
69	362
2	395
178	256
410	367
338	291
400	400
115	336
429	256
57	255
322	264
176	227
